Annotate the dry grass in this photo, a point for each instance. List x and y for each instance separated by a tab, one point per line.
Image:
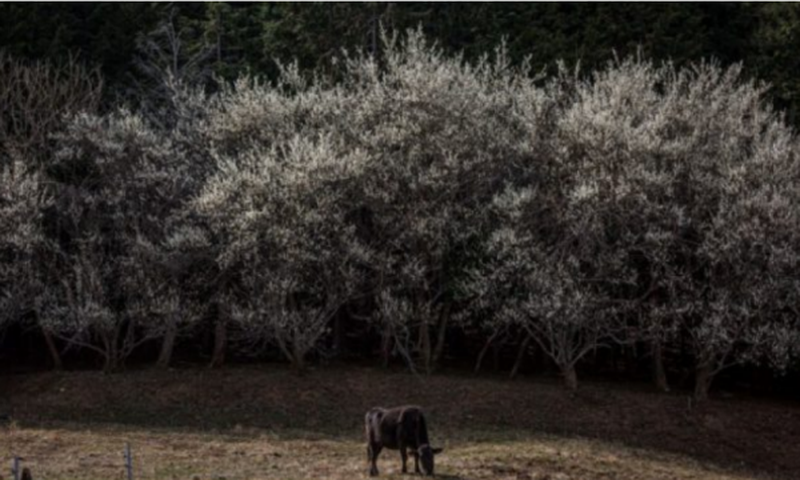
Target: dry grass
270	424
94	454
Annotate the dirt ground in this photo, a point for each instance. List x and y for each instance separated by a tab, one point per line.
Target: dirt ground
268	423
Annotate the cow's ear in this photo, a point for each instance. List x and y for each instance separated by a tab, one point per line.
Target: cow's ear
437	451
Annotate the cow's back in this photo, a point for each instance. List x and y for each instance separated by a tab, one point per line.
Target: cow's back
393	426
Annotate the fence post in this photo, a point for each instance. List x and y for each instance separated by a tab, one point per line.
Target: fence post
128	461
15	468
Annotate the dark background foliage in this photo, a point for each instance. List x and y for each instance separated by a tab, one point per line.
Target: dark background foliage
249	36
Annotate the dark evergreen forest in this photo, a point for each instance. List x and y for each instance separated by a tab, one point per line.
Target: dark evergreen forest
250	36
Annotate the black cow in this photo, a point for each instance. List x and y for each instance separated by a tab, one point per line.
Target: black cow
399	428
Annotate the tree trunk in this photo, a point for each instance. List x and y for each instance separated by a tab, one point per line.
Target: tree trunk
386	346
298	366
520	356
110	363
630	357
425	344
441	334
543	361
570	377
168	345
338	333
702	382
659	373
55	356
220	341
298	361
482	354
111	359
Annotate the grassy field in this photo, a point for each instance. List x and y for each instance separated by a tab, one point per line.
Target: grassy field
249	423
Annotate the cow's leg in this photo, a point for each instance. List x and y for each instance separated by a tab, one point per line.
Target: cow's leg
416	461
403	454
373	450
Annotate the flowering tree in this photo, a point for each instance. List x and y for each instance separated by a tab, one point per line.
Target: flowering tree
115	188
640	203
35	101
657	203
697	177
438	132
293	259
749	252
422	144
22	200
552	283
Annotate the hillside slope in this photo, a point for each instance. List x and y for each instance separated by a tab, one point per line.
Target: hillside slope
270	423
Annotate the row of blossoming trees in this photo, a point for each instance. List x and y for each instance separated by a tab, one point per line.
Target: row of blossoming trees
419	194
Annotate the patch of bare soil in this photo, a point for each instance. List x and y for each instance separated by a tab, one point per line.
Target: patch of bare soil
491	428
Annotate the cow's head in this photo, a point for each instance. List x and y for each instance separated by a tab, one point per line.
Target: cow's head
426	454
